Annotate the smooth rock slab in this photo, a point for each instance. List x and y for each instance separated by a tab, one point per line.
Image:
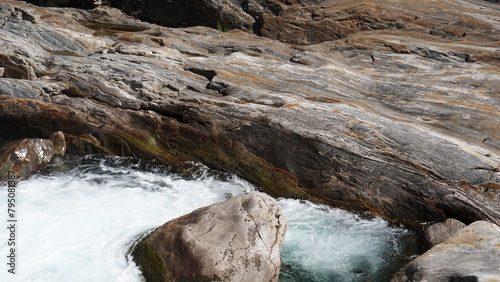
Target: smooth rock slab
235	240
472	254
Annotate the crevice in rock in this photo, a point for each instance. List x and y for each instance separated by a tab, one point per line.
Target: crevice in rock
208	74
492	169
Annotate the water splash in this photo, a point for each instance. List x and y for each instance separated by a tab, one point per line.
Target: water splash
78	220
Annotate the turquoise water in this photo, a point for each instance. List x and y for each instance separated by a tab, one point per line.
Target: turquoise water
78	220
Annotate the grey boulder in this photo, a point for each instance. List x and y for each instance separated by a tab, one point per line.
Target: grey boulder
235	240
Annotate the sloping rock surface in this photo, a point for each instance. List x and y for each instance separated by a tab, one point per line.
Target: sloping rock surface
235	240
472	254
400	123
26	156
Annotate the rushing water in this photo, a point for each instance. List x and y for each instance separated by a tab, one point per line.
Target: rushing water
78	220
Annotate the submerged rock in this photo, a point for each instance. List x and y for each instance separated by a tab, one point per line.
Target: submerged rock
26	156
235	240
472	254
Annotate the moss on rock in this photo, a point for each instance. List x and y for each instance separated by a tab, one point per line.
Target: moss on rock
150	263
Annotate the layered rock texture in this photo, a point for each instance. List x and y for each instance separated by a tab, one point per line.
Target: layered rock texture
401	119
472	254
316	21
235	240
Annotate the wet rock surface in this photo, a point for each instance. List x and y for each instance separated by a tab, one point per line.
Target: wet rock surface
472	254
235	240
316	21
402	123
24	157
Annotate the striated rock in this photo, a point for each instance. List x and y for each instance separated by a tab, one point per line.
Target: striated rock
439	232
221	14
472	254
235	240
68	3
58	143
396	122
26	156
316	21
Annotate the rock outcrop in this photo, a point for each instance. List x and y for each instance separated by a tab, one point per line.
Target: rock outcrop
26	156
316	21
222	14
472	254
235	240
402	123
439	232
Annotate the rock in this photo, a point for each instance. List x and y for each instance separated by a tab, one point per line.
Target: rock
83	145
222	14
439	232
68	3
472	254
58	142
314	21
26	156
395	122
235	240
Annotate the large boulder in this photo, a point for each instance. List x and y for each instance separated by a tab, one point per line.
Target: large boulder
235	240
472	254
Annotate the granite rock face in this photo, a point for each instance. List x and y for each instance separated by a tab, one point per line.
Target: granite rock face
472	254
235	240
402	123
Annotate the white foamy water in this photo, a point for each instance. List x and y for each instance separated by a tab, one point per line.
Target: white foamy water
78	223
326	244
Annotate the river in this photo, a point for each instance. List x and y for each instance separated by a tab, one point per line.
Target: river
78	219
